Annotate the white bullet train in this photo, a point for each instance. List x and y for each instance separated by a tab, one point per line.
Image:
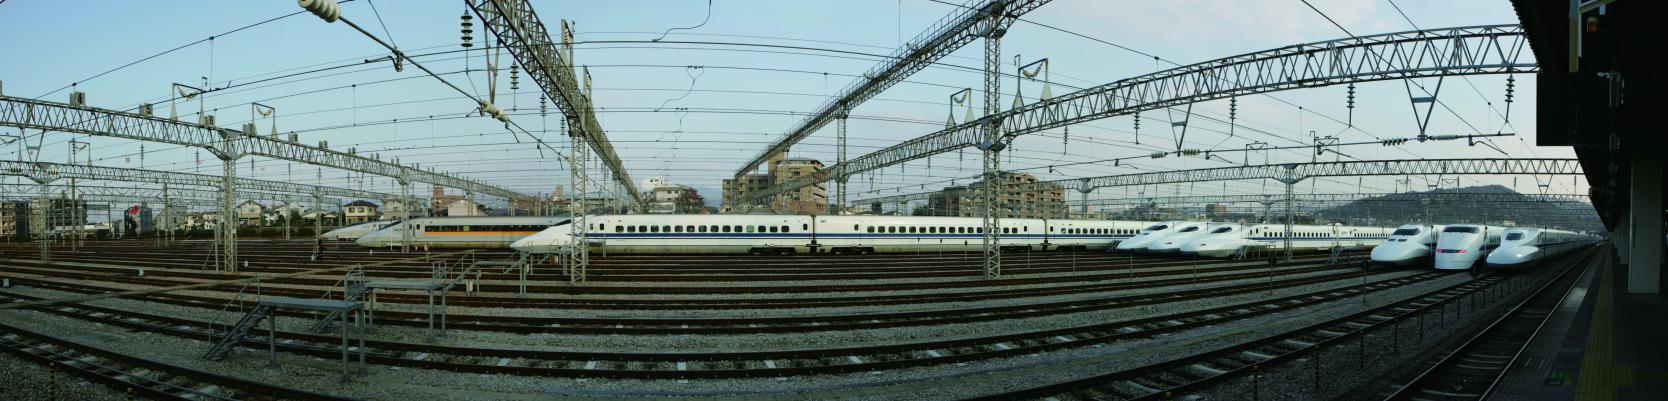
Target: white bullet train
1224	240
1521	247
1171	244
1462	246
783	234
1139	242
1409	245
354	231
460	232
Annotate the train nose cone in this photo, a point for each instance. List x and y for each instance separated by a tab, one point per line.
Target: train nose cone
524	244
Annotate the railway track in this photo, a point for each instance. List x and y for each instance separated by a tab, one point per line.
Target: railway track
1471	371
660	365
674	326
1168	379
706	269
1058	286
143	377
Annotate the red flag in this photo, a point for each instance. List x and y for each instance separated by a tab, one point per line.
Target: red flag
133	211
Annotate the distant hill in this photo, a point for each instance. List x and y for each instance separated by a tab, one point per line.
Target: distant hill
1409	207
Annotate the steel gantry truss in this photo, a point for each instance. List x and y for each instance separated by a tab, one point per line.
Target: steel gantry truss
170	197
228	145
1292	173
960	27
1493	49
1268	199
224	143
45	173
1574	211
519	30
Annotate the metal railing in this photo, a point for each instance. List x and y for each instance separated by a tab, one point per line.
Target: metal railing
357	273
238	300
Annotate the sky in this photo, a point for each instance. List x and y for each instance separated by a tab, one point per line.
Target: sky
722	83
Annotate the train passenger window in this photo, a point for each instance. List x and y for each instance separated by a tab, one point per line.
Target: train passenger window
701	228
912	230
616	228
678	228
806	227
784	228
772	229
871	228
689	228
854	228
654	229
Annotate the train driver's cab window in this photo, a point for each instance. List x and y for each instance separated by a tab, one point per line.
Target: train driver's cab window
1222	230
1514	236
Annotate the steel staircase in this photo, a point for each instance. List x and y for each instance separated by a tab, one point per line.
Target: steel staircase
355	292
238	332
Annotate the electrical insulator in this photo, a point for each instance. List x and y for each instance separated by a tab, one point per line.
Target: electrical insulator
468	40
324	9
1137	128
1190	152
542	108
515	78
1158	155
1233	114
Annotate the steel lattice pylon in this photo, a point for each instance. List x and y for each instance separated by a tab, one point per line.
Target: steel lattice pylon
579	253
840	197
991	147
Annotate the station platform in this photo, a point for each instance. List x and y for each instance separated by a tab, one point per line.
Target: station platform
1601	344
